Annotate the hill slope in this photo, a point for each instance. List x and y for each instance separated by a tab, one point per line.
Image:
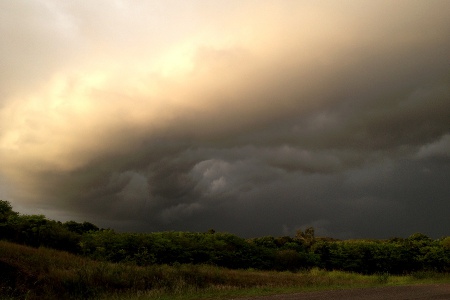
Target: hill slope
41	273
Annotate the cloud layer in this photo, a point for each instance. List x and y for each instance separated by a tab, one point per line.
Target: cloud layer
256	118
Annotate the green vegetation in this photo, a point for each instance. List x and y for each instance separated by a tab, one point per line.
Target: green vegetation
100	263
42	273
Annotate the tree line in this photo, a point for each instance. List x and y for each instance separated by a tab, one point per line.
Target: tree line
417	252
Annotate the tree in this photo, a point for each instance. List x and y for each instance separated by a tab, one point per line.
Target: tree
6	215
80	228
446	243
307	237
6	211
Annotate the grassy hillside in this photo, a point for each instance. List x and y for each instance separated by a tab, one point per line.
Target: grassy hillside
41	273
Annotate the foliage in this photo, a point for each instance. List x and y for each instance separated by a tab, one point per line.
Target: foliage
221	249
416	253
42	273
6	211
37	230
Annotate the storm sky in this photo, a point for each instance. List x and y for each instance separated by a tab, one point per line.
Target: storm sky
252	117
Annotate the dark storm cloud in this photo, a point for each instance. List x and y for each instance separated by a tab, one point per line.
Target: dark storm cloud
332	115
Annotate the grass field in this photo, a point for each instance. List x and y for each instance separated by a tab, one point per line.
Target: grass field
29	273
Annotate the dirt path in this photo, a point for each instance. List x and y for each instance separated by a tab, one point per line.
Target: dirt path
424	292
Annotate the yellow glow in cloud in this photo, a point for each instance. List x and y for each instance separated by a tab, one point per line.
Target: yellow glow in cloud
225	73
63	122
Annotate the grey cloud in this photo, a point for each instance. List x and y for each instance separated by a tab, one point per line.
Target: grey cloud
440	148
340	124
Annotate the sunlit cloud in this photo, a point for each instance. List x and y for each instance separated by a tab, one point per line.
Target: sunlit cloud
160	115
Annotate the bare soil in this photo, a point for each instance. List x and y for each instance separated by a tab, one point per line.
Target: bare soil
425	292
